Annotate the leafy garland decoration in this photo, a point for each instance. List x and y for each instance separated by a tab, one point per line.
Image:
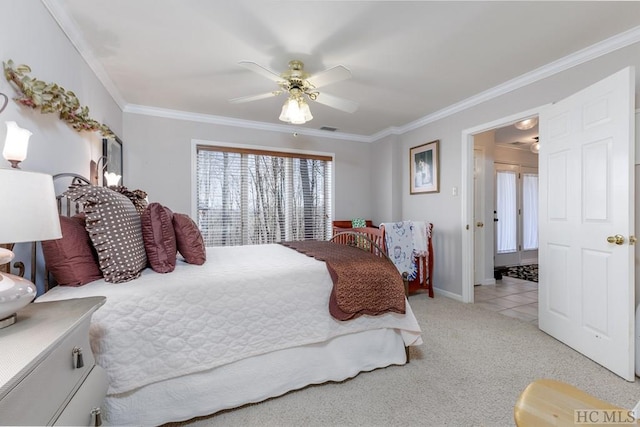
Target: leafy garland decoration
51	98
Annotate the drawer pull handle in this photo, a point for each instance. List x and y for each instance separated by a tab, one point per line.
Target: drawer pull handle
96	416
78	362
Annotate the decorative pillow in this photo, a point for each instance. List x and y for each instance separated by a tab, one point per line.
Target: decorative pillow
159	237
115	230
71	260
358	223
189	239
137	197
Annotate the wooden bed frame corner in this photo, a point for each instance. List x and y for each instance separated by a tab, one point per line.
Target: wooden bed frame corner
377	234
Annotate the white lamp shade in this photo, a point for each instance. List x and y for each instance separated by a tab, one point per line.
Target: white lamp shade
31	212
289	109
16	142
112	179
296	111
306	110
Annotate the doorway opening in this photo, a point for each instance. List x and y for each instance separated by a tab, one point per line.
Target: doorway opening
498	142
506	214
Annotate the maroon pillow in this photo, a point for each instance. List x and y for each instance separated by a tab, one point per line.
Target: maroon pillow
159	237
72	260
189	239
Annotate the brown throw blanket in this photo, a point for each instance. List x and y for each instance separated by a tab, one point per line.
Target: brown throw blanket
363	283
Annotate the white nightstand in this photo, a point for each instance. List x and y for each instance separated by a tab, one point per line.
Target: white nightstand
42	379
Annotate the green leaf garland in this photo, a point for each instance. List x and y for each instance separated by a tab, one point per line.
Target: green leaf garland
51	98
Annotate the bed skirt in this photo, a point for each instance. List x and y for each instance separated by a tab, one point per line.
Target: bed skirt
256	379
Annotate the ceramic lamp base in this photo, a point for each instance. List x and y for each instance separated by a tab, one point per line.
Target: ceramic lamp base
8	321
15	293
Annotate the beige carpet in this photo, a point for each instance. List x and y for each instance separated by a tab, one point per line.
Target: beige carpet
469	372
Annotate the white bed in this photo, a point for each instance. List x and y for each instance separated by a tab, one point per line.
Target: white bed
251	323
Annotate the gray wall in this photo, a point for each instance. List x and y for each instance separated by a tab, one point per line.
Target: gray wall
386	191
31	36
158	159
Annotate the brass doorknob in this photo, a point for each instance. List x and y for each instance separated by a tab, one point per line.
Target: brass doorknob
480	224
618	239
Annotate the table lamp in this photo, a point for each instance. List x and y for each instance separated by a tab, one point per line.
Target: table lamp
30	214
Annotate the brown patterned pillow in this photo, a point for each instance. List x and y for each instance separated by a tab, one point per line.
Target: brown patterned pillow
137	197
189	239
159	237
115	230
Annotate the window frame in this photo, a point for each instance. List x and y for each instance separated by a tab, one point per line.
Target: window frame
286	152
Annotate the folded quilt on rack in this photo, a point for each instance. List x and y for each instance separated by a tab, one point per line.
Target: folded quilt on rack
419	234
399	240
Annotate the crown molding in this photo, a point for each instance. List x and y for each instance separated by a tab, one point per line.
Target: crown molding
245	124
589	53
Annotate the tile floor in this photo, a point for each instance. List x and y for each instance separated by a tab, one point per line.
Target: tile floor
510	296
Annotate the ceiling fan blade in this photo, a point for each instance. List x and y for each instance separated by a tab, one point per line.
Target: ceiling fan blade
265	72
337	103
331	75
255	97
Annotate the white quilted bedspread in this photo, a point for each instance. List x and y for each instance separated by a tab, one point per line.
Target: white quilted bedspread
244	301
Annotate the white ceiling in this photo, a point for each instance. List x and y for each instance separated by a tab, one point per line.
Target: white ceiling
409	60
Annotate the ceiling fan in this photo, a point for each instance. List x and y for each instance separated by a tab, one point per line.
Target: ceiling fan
298	85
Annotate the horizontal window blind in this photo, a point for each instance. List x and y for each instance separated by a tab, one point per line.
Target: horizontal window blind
253	197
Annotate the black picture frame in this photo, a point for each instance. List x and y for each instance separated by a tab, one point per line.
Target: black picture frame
112	151
424	168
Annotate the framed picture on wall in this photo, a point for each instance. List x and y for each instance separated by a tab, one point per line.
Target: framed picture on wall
424	168
112	151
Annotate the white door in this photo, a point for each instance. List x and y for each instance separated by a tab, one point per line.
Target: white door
586	289
479	273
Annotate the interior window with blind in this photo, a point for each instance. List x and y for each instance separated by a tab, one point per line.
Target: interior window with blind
248	197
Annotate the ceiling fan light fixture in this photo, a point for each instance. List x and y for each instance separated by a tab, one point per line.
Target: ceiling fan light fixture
300	86
526	124
295	111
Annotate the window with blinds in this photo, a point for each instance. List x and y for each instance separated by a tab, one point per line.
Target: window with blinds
250	197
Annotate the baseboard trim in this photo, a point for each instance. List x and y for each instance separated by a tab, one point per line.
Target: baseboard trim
447	294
